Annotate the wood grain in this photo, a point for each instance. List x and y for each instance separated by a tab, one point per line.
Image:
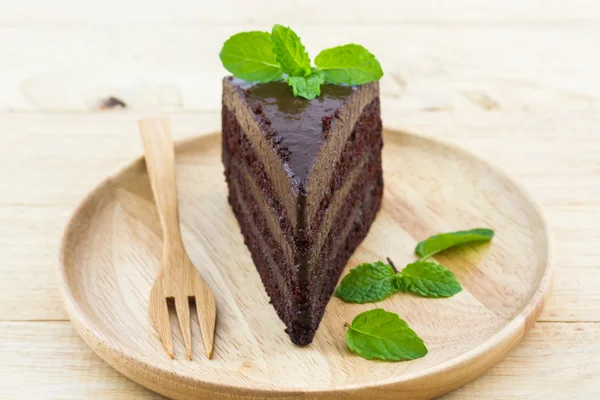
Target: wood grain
514	81
555	360
113	238
187	11
462	67
82	374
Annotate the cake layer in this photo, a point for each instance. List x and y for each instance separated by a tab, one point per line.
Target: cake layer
267	265
236	142
342	125
355	221
253	206
299	307
362	148
354	232
264	143
365	194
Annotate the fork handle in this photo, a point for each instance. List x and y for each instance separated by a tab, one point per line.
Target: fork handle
160	163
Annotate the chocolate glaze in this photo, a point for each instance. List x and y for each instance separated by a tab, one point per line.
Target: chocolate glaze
297	121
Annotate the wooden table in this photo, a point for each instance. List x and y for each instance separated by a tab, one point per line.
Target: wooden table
517	82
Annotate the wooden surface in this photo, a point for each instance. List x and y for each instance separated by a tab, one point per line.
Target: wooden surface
514	81
111	253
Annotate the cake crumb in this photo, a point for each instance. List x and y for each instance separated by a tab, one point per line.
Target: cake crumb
257	108
327	122
269	132
285	153
337	113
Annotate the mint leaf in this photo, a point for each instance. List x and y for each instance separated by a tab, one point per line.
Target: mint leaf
368	283
443	241
381	334
429	279
249	56
290	51
309	87
351	64
401	283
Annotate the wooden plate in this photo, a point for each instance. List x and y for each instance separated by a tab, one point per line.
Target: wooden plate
110	256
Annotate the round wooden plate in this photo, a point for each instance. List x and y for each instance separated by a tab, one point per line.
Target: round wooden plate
110	256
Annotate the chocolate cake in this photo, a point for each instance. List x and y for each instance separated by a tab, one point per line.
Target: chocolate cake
305	183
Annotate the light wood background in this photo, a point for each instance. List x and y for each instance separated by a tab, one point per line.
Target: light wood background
516	81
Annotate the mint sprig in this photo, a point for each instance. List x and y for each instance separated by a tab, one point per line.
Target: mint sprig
262	57
376	281
443	241
379	334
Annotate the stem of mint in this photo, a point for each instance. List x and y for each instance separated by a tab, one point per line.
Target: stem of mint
347	325
392	264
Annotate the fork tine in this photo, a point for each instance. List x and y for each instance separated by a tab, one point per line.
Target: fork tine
207	314
182	306
159	313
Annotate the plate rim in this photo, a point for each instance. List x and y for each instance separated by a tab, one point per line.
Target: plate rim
514	331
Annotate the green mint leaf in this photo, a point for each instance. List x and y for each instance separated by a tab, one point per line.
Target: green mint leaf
429	279
351	64
368	283
249	56
309	87
443	241
290	51
401	283
381	334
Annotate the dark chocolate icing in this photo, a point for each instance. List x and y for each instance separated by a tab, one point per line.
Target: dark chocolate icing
297	121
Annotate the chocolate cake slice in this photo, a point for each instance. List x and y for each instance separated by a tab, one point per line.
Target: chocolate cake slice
305	183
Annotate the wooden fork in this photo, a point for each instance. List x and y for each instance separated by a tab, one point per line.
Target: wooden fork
177	278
